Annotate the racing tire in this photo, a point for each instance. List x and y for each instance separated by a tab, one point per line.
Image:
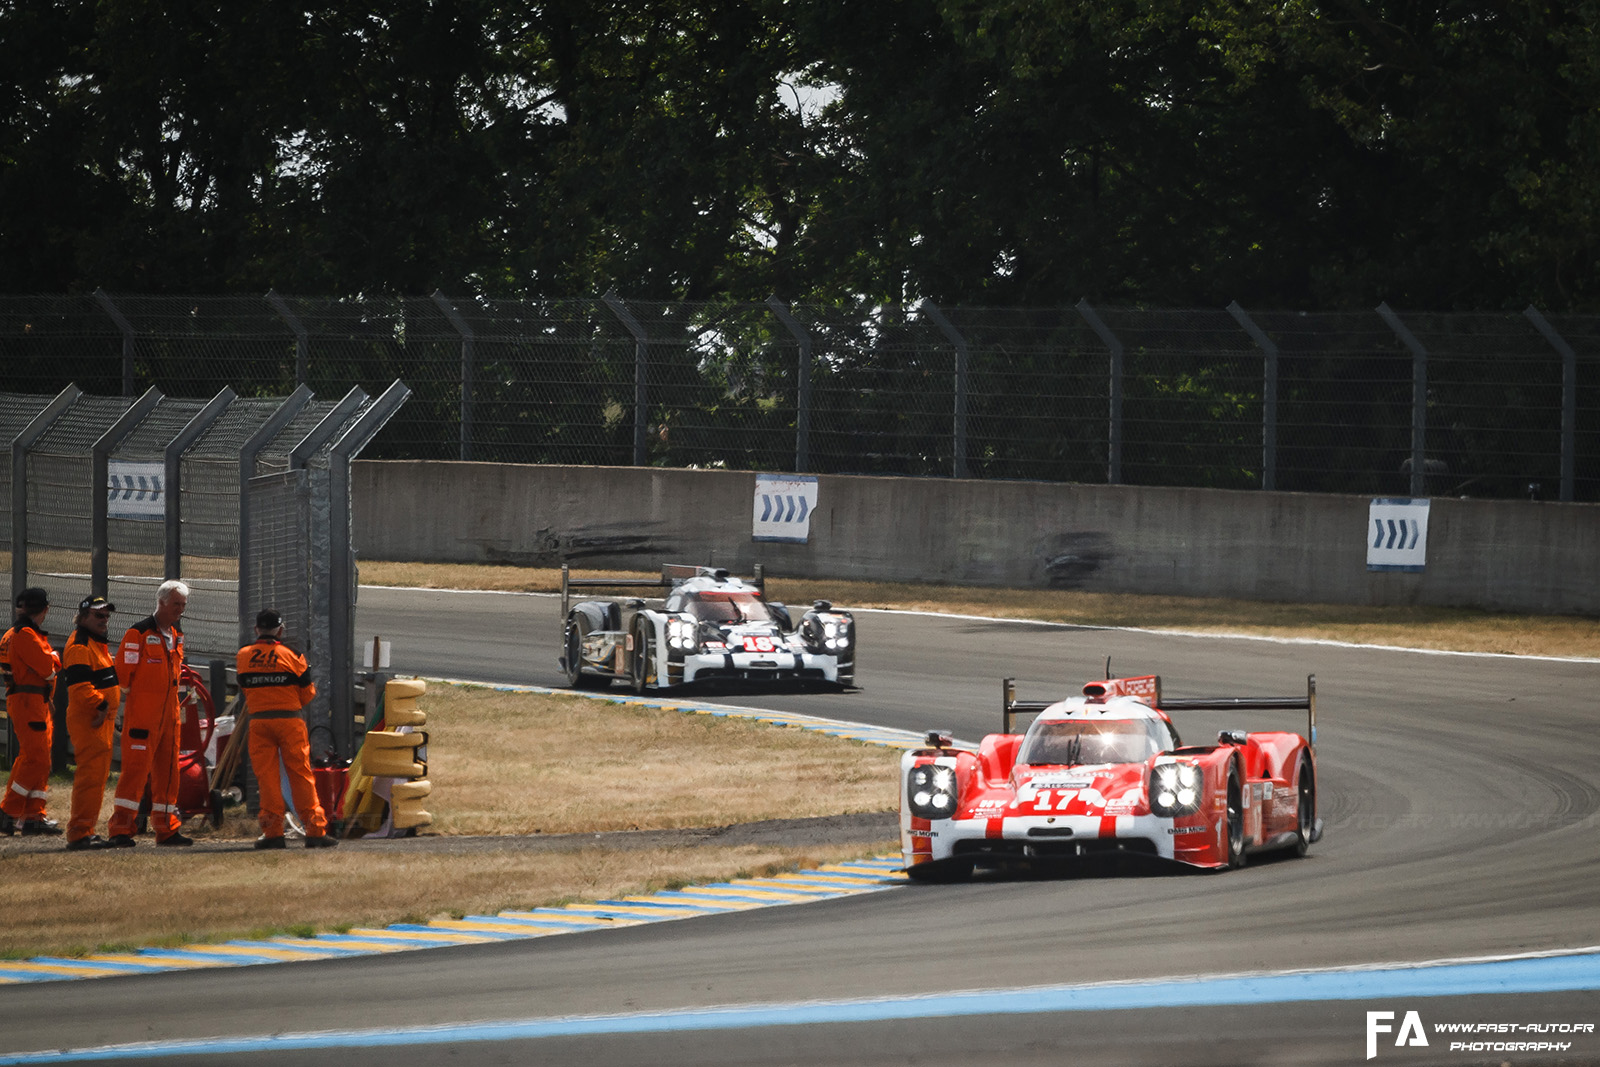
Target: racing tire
574	662
947	872
1236	857
1306	813
639	665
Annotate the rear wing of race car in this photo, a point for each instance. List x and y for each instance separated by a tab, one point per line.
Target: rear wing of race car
1307	704
1012	707
671	575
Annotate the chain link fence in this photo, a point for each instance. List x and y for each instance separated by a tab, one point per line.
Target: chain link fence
247	499
1481	404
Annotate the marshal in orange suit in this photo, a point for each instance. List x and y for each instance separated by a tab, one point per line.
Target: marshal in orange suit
277	687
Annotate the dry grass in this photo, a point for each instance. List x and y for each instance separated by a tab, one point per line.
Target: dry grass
515	763
501	763
1411	627
65	904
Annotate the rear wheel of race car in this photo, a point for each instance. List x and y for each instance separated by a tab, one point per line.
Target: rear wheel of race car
639	666
1235	819
1307	811
574	661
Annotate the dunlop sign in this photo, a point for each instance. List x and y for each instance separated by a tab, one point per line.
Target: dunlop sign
1397	534
135	491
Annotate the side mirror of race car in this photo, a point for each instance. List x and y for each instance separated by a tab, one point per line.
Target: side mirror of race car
781	613
940	738
1232	737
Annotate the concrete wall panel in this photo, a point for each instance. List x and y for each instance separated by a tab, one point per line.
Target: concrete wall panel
1503	555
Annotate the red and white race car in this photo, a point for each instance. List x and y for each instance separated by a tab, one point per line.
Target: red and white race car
1106	773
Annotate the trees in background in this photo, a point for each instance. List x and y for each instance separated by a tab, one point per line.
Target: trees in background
1164	152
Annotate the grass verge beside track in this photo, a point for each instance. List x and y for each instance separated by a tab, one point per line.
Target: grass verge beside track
502	764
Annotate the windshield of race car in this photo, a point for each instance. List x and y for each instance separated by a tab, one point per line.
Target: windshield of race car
1071	742
729	608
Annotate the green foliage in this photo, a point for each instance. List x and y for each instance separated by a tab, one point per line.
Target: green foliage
978	152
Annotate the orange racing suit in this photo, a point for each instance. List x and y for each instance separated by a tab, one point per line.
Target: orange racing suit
277	687
34	664
149	665
92	692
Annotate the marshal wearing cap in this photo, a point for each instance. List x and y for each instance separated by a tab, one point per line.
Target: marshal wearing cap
95	603
33	600
268	619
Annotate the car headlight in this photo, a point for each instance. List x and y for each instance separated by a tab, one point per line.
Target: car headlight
931	791
830	632
682	635
1175	789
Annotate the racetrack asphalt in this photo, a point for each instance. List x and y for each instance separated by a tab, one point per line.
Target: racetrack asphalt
1458	792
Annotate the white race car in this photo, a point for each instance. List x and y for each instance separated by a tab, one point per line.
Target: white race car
710	626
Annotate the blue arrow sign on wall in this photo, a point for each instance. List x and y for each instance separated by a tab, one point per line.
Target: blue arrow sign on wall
783	508
1399	535
136	490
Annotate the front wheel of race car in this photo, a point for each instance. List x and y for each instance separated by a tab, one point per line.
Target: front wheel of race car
1305	824
1235	856
940	872
573	666
639	666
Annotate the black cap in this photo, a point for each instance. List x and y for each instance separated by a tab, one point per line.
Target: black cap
95	603
33	600
268	619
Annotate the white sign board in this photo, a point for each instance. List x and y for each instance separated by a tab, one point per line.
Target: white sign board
783	508
135	491
1397	535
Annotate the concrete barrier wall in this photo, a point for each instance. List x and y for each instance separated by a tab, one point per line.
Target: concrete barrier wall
1501	555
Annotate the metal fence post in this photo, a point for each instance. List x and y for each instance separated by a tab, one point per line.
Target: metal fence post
802	414
104	299
174	479
1419	398
248	452
302	343
468	339
1114	431
19	481
958	464
1269	394
330	424
641	354
341	563
1569	400
100	545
